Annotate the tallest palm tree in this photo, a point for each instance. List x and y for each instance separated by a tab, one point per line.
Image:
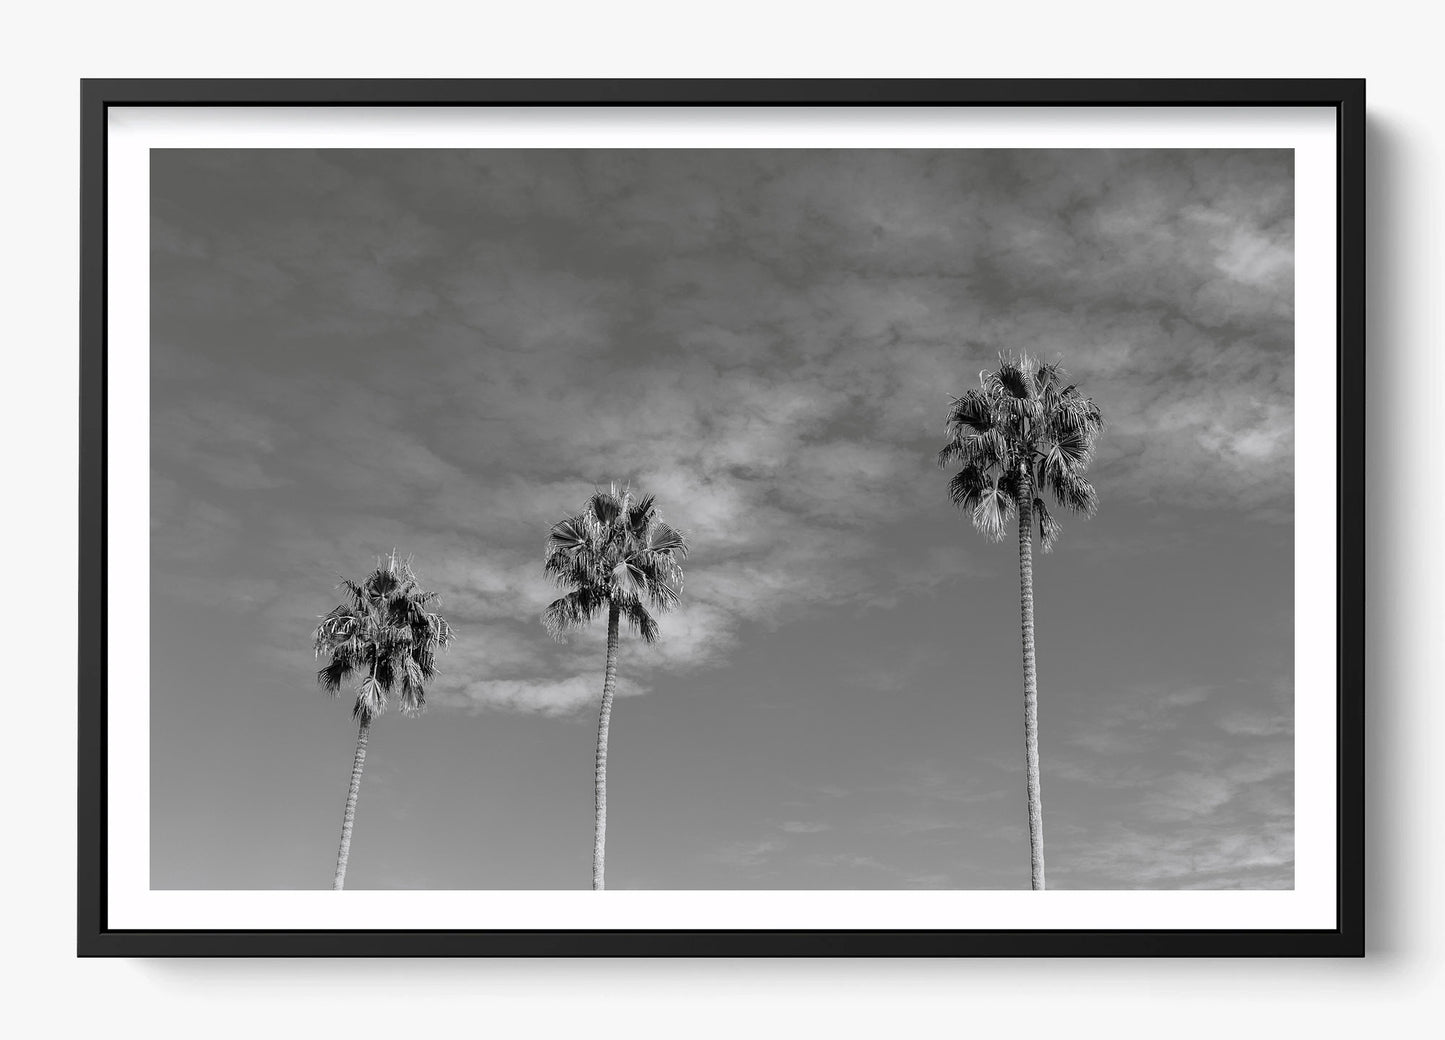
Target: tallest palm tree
1021	431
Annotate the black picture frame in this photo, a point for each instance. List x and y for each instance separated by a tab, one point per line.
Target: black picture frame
1345	96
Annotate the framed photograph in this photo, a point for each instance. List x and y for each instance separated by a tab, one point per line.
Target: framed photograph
722	518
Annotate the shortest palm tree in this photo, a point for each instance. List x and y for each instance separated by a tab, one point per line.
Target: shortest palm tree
384	635
619	557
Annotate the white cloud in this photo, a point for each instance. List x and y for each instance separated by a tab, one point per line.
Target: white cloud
541	697
804	826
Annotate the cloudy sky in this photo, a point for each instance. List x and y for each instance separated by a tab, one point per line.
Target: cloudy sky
445	351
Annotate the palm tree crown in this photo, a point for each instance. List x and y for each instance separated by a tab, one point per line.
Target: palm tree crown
1020	431
616	552
386	634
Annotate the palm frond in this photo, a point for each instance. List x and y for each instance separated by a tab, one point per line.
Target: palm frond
356	592
1047	376
437	632
657	565
992	511
966	486
382	584
336	627
333	675
1010	482
413	690
970	411
606	506
1049	528
572	533
573	570
997	447
1076	413
571	611
386	666
640	621
1073	492
1075	447
1015	375
641	515
663	589
626	581
412	698
666	539
370	698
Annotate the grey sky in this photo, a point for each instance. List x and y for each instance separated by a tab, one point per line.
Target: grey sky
445	351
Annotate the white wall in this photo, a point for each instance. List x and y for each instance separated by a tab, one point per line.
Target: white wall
50	47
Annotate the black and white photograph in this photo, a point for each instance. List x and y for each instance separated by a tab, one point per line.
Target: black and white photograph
722	519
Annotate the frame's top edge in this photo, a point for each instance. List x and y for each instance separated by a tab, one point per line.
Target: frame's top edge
723	92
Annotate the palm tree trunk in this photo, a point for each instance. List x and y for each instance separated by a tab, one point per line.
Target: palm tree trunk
1031	680
604	720
349	817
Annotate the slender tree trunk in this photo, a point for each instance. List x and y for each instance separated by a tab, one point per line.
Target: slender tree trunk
604	720
349	817
1031	680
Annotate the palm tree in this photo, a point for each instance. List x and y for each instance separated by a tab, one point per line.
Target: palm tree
616	555
1021	431
385	635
